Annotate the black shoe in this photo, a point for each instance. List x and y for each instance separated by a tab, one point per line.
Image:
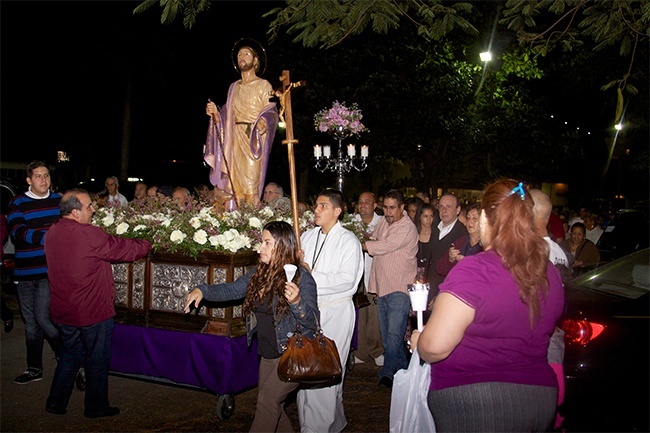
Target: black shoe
9	325
385	382
55	410
29	376
111	411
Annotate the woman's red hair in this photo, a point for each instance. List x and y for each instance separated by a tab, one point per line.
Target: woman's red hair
513	235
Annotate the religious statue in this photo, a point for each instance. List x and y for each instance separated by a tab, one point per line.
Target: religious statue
241	133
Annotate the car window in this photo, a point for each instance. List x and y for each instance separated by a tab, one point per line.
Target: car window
628	277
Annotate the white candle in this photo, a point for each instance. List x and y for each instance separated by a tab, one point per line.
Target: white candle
364	151
326	151
351	150
317	151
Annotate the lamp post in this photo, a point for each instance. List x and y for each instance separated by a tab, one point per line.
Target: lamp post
342	163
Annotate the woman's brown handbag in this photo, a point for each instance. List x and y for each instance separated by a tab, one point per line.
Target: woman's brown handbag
310	361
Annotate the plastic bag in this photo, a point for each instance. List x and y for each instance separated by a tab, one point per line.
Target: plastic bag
409	411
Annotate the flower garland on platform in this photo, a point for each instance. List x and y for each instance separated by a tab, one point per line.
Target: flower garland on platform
340	119
197	228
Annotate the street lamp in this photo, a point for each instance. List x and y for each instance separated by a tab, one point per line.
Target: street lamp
486	56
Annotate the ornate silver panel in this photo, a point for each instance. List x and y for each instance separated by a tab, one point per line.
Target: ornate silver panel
121	277
171	284
138	284
218	275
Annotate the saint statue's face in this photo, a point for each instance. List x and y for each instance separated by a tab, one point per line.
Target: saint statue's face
246	59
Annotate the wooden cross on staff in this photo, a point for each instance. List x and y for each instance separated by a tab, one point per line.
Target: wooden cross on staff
284	96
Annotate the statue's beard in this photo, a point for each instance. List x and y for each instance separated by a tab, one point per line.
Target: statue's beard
243	66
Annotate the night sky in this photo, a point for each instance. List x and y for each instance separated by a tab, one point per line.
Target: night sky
65	68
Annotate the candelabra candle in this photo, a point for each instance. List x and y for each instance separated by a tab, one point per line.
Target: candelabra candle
318	151
364	151
352	151
327	151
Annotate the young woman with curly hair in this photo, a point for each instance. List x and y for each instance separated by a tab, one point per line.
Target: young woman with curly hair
273	307
488	335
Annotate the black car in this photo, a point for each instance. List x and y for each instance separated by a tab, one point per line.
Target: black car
606	361
627	232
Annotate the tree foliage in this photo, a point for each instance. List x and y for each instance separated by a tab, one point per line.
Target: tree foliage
426	101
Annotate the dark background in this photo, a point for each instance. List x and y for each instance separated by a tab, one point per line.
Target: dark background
69	66
66	68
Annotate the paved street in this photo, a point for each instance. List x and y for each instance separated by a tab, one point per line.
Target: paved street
152	406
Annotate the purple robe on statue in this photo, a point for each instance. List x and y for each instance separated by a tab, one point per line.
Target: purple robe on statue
237	137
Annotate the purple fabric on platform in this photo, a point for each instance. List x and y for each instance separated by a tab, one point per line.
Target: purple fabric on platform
220	365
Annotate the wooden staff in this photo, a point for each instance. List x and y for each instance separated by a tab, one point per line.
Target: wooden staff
285	102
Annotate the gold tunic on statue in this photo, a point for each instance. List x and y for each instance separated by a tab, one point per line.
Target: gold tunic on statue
248	102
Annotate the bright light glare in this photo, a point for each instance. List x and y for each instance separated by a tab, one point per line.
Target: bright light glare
618	126
282	125
486	56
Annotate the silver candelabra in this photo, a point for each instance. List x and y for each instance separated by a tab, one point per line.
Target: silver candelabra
343	163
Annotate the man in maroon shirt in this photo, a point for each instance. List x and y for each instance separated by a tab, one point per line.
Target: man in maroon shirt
79	257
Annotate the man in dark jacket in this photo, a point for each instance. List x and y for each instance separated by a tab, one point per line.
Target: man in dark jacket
82	304
442	236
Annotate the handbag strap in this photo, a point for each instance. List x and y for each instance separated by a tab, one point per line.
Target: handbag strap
317	331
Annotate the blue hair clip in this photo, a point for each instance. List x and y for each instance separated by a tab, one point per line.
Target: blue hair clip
519	189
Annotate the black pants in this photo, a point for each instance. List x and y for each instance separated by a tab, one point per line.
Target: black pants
7	314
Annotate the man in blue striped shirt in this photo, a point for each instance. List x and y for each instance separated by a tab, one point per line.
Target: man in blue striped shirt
30	216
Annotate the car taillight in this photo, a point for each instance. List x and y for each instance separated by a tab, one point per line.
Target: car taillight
581	331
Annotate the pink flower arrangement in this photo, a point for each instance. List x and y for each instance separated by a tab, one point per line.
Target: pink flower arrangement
340	120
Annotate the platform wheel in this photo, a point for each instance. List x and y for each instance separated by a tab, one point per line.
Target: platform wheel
225	406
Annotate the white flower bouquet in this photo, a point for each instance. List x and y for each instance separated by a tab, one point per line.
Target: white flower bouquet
196	228
340	119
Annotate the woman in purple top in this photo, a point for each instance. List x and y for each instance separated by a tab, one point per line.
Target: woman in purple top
488	335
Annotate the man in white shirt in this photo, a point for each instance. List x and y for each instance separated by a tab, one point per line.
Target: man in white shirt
114	197
368	335
594	230
542	212
336	261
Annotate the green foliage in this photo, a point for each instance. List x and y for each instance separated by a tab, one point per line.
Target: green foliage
189	8
326	23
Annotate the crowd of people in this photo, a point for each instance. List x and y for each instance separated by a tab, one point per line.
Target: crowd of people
495	270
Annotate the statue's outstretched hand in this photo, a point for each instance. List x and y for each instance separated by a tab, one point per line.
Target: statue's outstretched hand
212	110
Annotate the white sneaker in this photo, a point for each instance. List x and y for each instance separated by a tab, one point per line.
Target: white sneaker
379	361
358	361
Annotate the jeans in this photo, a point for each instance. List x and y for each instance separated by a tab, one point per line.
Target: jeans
90	345
393	315
34	299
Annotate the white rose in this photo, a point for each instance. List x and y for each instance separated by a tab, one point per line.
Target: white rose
108	220
200	237
122	228
267	212
195	222
177	236
214	240
139	227
165	222
255	222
